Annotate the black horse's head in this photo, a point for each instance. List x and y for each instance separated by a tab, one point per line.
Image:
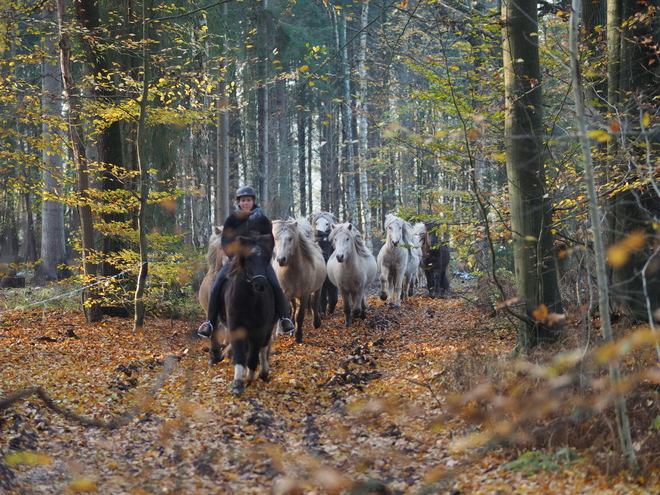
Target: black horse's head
253	256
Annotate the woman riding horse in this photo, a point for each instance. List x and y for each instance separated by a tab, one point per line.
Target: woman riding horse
246	219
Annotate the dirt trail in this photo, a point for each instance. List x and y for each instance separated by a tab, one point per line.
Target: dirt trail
349	410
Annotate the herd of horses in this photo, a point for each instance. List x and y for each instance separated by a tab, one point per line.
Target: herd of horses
317	260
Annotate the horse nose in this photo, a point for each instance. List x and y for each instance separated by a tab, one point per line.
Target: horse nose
396	243
281	260
340	257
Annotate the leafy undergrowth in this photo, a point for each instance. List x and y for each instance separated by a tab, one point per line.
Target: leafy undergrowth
361	410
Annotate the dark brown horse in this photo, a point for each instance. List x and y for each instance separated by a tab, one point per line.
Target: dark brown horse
435	259
249	310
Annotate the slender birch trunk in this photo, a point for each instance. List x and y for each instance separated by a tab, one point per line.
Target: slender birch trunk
622	420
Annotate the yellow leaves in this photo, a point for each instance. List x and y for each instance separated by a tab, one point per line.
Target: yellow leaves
27	458
82	485
618	254
599	135
646	119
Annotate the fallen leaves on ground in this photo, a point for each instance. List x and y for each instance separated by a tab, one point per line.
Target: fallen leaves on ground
348	411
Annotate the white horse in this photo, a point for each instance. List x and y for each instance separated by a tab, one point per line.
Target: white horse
300	268
397	260
351	268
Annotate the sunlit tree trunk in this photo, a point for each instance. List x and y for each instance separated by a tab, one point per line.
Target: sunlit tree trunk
91	307
143	179
535	271
363	139
53	242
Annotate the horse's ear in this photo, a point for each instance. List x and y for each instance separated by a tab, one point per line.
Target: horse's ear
333	226
350	226
218	230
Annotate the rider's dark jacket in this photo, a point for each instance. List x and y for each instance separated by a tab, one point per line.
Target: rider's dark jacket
244	223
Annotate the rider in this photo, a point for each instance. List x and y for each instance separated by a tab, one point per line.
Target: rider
245	219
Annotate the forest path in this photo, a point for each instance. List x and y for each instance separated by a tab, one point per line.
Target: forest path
348	411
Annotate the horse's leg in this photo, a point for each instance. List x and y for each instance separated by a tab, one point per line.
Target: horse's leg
429	281
333	297
384	286
264	367
215	353
398	287
300	318
314	301
347	309
324	298
239	347
253	358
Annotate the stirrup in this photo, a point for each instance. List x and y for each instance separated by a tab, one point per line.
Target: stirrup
205	330
287	332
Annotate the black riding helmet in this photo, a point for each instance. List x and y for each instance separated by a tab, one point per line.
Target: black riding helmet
245	191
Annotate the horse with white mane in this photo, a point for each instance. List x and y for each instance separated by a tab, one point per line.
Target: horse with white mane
351	268
300	269
397	260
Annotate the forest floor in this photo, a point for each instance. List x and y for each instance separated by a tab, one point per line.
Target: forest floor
355	411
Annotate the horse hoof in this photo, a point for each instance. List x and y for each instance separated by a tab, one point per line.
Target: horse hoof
238	388
264	377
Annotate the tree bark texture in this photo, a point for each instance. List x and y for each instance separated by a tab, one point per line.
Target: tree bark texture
535	271
91	307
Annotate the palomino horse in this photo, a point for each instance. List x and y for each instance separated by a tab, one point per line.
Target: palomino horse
435	258
351	268
397	260
249	305
322	222
215	259
300	269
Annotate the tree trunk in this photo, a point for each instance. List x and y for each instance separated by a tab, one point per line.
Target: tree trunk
140	289
263	110
347	118
91	307
363	139
622	419
222	195
535	271
53	239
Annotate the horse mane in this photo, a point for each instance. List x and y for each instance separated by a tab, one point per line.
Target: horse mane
407	233
354	233
303	233
214	258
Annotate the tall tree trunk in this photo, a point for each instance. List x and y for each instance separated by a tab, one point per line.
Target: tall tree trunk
53	239
143	180
91	306
347	120
535	271
302	157
622	419
263	110
222	193
363	130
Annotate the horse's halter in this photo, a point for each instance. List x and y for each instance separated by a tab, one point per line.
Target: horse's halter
251	278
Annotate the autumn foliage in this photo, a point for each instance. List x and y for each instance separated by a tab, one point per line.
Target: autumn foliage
425	399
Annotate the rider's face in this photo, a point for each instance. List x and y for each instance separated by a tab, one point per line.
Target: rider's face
246	203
